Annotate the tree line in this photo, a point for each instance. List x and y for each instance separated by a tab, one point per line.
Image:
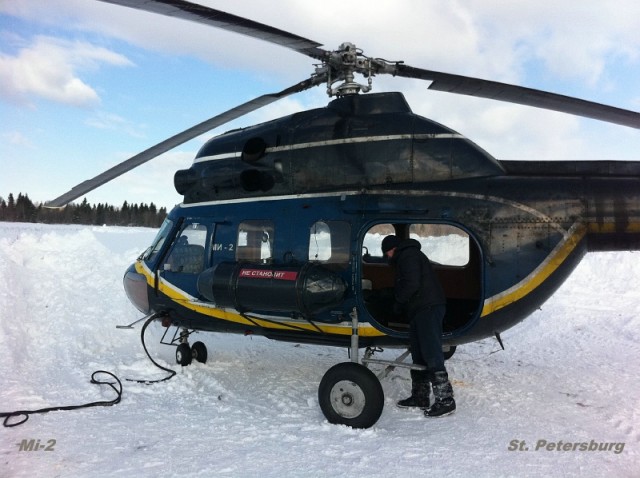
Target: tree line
22	209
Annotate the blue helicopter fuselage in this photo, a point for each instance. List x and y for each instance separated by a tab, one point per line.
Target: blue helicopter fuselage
278	229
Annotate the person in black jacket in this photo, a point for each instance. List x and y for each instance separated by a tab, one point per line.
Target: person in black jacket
419	296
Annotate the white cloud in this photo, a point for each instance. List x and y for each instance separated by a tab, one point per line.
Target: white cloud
16	138
110	121
571	40
49	68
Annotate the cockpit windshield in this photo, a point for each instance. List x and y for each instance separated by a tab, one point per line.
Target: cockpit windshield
158	242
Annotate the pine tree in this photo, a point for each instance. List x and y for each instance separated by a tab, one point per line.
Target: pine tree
3	209
11	208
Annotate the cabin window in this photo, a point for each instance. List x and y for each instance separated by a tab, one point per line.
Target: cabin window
255	242
159	240
329	242
187	254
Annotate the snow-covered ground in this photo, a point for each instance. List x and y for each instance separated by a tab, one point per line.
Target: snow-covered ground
570	374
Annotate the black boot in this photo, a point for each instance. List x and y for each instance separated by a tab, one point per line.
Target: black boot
443	392
420	391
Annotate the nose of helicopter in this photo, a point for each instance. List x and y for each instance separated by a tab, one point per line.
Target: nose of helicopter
135	285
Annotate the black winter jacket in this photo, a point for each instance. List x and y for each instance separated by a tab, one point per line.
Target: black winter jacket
416	284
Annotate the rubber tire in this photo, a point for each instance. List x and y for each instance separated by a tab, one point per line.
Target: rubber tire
199	352
183	354
350	394
449	354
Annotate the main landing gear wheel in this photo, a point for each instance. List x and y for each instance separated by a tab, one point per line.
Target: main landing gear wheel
350	394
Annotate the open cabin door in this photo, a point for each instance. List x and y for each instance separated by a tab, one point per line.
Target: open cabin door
456	259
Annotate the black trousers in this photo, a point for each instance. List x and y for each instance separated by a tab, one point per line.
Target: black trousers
425	335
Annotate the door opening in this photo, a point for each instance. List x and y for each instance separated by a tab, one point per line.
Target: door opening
456	259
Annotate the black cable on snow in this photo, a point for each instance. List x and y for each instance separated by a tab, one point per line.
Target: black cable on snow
116	385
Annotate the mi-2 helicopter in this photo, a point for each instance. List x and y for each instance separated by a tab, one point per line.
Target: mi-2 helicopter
279	230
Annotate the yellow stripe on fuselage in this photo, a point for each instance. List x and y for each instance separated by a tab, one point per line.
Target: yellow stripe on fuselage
553	262
541	273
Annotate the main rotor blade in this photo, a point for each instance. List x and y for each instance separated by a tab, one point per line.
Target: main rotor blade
440	81
494	90
178	139
227	21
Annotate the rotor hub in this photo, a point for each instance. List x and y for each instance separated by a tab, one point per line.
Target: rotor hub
341	65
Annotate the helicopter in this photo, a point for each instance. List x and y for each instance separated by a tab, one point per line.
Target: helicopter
279	231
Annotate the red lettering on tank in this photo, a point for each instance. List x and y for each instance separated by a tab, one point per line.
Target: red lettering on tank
267	274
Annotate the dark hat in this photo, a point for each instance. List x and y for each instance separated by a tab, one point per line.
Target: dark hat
389	243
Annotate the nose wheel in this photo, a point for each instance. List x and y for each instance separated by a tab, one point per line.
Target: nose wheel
185	354
199	352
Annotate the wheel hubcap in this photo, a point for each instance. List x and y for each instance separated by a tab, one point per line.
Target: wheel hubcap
347	399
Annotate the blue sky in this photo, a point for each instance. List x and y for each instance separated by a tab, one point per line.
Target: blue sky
84	85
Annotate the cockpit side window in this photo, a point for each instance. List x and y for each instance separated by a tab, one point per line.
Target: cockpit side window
255	241
187	254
